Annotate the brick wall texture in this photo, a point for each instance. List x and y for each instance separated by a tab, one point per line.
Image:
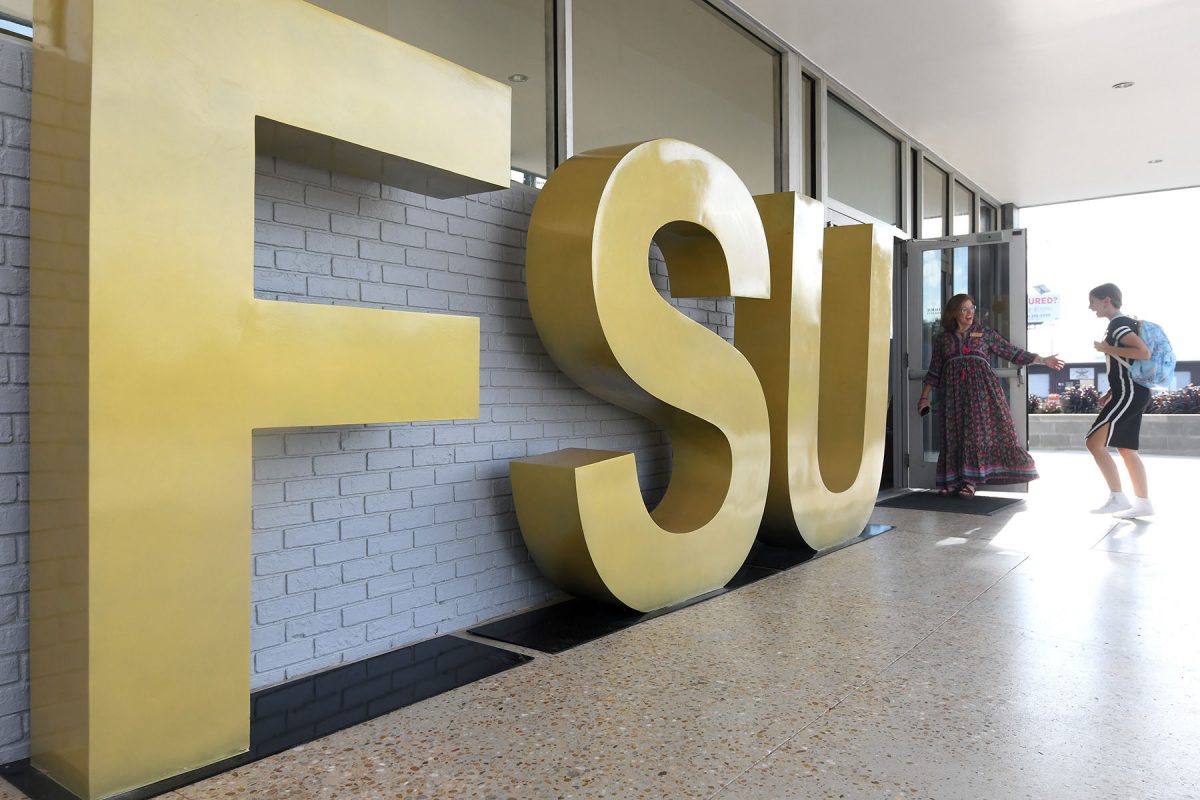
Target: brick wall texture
368	537
371	537
15	100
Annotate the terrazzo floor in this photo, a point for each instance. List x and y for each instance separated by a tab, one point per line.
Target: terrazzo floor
1043	652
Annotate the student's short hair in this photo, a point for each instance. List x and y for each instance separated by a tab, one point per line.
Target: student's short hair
1108	290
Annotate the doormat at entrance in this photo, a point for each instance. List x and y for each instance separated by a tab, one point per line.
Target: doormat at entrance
932	501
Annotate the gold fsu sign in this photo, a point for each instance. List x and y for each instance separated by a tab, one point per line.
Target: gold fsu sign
152	361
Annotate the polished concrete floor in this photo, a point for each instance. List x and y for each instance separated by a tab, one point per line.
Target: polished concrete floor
1043	652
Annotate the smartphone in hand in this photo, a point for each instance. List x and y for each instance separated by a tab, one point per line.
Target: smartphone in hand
925	411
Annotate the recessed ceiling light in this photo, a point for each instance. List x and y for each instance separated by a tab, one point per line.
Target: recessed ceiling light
1122	85
518	77
1154	161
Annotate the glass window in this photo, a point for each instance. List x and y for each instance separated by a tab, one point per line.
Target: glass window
961	272
808	127
932	300
964	209
933	201
864	163
502	39
675	68
987	217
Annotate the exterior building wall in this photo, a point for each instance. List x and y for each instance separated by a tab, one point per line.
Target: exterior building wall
1161	435
364	537
1186	373
15	102
371	537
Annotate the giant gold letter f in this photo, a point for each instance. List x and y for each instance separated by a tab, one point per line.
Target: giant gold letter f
152	361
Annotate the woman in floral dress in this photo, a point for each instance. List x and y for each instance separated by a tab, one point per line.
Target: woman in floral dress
978	441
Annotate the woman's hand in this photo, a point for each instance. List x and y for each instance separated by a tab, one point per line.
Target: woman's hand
922	404
1053	361
1103	347
1104	398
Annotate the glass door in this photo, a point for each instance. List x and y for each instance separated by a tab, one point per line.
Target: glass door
991	268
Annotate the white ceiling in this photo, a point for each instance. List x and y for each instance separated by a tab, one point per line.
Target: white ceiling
1016	94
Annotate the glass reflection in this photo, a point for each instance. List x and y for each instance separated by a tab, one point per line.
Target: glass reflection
964	209
960	271
502	39
933	201
933	299
864	164
808	135
674	68
931	431
987	218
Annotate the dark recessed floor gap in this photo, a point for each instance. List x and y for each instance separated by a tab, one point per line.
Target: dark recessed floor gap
573	622
299	711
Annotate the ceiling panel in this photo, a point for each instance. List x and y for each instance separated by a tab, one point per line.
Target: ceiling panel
1016	94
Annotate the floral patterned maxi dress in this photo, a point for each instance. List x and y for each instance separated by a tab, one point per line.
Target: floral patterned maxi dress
979	443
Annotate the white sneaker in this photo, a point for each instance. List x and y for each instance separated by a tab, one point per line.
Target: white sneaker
1142	507
1116	502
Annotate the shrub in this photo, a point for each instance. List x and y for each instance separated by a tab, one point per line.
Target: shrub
1075	400
1049	405
1178	401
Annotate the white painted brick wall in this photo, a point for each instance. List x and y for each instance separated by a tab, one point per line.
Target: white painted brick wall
15	97
368	538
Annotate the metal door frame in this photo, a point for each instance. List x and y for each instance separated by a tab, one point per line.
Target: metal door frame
909	467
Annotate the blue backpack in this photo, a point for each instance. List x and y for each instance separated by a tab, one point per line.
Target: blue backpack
1156	371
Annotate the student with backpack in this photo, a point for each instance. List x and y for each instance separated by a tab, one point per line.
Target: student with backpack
1119	422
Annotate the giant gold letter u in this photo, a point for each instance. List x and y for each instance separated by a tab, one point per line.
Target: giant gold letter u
820	348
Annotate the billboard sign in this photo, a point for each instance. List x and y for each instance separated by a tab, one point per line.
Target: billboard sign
1043	308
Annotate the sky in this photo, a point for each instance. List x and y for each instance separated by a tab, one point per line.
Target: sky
1146	244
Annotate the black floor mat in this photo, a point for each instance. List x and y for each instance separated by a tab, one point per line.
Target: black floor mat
932	501
572	622
307	708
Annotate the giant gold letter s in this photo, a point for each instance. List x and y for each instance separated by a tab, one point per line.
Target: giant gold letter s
152	361
820	348
606	326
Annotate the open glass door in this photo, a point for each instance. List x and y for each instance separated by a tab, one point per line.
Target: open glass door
991	268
